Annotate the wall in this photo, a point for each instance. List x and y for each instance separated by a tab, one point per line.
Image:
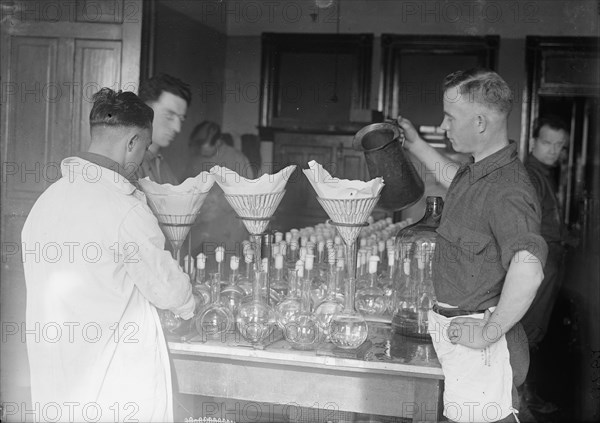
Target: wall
194	52
512	20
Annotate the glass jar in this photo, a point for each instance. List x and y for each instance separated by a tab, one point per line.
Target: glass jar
414	249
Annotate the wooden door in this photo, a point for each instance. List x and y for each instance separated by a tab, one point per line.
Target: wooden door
564	80
54	57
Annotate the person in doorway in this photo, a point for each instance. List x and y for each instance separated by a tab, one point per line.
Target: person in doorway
217	224
489	253
105	358
170	98
550	136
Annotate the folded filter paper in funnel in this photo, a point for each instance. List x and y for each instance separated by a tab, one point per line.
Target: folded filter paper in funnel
348	215
255	210
177	206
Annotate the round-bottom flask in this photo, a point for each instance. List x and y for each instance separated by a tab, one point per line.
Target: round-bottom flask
169	321
255	319
302	330
215	318
348	328
330	305
291	305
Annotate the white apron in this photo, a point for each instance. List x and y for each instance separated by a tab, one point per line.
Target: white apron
477	382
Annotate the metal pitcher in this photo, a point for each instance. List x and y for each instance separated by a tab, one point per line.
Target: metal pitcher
381	144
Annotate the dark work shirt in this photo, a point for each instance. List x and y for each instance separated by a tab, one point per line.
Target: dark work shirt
491	211
541	178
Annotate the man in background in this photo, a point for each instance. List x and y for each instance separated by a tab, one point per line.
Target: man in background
106	358
550	136
169	97
217	223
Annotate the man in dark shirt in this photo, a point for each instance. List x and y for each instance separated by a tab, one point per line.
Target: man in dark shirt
169	97
550	136
489	253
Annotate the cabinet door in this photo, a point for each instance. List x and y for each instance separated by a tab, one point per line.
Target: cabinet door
300	207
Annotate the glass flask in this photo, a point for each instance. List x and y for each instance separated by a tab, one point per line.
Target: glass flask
201	289
255	319
387	282
220	257
415	247
169	321
330	305
278	283
290	305
214	318
246	278
348	328
371	299
232	294
302	330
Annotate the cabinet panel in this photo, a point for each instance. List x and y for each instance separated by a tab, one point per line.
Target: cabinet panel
334	152
30	114
97	65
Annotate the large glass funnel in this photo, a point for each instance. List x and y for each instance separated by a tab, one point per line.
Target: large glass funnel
176	226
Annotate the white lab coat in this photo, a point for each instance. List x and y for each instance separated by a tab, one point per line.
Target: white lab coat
95	269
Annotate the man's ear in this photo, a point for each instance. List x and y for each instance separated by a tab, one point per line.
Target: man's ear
481	122
133	139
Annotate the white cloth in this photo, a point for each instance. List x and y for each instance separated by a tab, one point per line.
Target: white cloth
95	268
477	382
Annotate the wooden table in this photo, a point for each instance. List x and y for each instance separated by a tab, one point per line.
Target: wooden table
395	376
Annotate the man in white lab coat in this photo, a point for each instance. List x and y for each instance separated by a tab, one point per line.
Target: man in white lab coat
96	269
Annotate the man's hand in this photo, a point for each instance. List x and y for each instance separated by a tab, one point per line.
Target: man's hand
410	133
473	333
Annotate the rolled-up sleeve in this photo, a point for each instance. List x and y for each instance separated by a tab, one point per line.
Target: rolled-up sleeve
516	225
156	274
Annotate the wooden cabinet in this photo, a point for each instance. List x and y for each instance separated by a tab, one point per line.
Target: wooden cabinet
300	207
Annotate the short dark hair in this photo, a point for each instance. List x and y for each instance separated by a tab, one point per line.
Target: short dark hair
205	132
483	86
120	109
552	121
151	89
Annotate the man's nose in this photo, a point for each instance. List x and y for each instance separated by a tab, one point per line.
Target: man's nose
177	125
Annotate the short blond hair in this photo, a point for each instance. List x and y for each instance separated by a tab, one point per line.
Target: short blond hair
482	86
